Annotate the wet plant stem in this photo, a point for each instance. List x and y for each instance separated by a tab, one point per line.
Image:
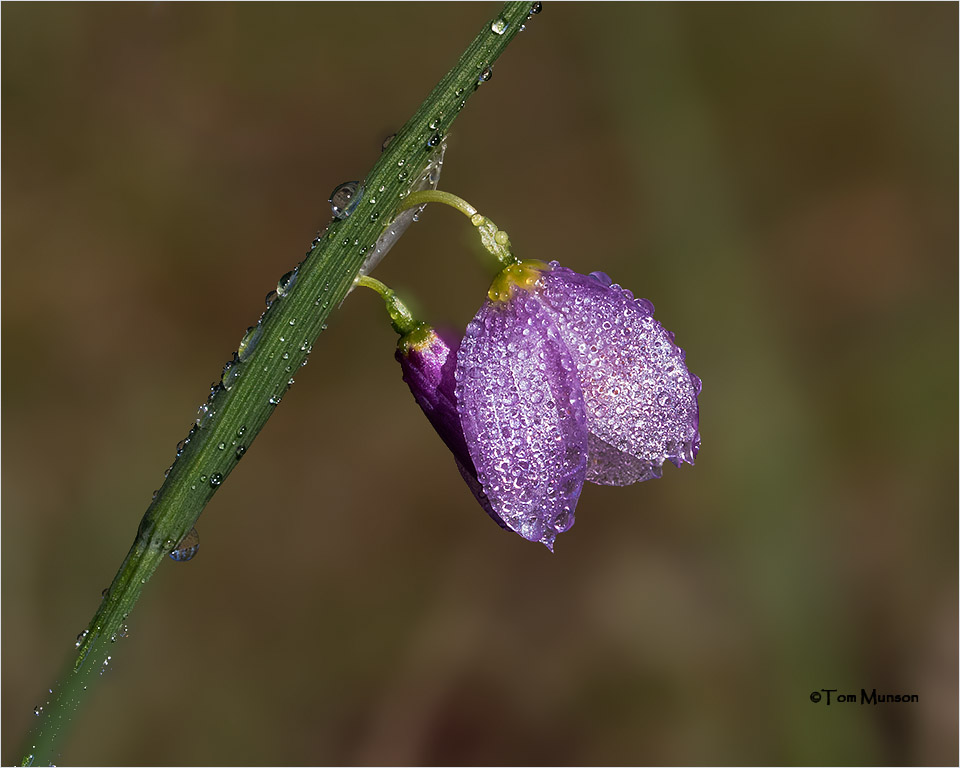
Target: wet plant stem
495	240
255	380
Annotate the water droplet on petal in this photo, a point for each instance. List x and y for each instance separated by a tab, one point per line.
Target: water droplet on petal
187	547
646	305
602	277
345	198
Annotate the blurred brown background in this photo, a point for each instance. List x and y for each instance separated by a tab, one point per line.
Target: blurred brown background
781	181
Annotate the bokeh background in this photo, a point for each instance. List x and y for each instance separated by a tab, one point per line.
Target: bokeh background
780	180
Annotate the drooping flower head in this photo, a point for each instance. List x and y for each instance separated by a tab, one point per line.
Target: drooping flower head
560	378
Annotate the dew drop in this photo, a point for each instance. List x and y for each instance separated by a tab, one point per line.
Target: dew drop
499	26
241	449
187	547
485	75
270	298
344	199
204	414
37	710
285	283
433	141
240	431
536	8
215	479
249	342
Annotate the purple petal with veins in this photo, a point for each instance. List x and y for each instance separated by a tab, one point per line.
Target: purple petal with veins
522	412
641	401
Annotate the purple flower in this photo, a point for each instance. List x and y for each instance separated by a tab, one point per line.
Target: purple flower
563	377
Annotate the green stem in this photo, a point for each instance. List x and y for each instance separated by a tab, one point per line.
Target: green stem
416	199
400	317
262	370
495	240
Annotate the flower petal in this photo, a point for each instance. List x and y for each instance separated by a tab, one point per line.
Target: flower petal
523	417
607	465
641	400
428	366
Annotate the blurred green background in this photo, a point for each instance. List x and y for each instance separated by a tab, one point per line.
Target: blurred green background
780	180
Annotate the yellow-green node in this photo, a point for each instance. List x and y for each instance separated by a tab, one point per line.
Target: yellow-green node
418	339
523	275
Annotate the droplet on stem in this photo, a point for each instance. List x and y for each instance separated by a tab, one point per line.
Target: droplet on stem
344	199
187	547
285	283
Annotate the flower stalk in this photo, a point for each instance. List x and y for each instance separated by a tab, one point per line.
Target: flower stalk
495	240
261	371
